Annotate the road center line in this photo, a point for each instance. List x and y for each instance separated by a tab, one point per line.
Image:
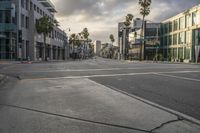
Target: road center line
111	75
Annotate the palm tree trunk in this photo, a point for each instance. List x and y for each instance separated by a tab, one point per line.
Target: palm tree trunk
142	47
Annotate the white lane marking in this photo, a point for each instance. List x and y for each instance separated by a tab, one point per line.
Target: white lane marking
178	77
84	70
102	69
110	75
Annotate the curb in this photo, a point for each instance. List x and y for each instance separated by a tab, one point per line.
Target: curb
176	113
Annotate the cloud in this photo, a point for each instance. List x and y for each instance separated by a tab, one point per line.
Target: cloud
102	16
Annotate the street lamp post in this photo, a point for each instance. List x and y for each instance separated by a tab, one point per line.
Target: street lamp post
65	42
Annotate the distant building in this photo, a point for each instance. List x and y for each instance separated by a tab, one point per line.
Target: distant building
97	47
18	36
180	36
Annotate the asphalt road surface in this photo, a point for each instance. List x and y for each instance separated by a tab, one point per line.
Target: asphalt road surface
174	86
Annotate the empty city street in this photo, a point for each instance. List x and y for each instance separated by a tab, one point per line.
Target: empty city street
98	94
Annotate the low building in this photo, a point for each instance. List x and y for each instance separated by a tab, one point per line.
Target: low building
18	36
180	37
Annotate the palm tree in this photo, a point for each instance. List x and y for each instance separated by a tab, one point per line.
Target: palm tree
44	26
85	33
129	18
112	39
127	23
74	40
144	11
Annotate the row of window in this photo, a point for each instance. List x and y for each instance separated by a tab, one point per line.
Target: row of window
179	38
179	53
28	5
184	22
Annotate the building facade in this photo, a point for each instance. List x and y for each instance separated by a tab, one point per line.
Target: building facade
150	39
180	37
19	39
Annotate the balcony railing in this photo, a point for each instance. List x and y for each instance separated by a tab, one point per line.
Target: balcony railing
7	27
5	5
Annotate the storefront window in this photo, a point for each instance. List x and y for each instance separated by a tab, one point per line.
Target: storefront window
187	53
180	53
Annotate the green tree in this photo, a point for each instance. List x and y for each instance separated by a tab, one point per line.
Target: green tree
144	11
44	26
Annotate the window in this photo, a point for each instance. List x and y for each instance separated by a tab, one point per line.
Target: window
27	49
188	37
182	38
34	7
22	3
31	5
180	53
38	10
197	37
170	26
175	39
187	53
175	24
182	23
195	19
188	20
22	20
170	40
27	22
27	4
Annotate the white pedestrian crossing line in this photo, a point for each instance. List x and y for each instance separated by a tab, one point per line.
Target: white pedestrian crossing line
178	77
125	74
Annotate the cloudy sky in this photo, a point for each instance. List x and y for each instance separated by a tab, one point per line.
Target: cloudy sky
102	16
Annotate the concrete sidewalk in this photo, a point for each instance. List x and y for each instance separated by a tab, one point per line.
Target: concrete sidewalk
82	106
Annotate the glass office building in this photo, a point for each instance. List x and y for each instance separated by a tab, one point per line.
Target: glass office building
180	35
7	30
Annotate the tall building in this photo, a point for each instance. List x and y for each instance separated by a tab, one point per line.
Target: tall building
180	37
97	47
18	36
